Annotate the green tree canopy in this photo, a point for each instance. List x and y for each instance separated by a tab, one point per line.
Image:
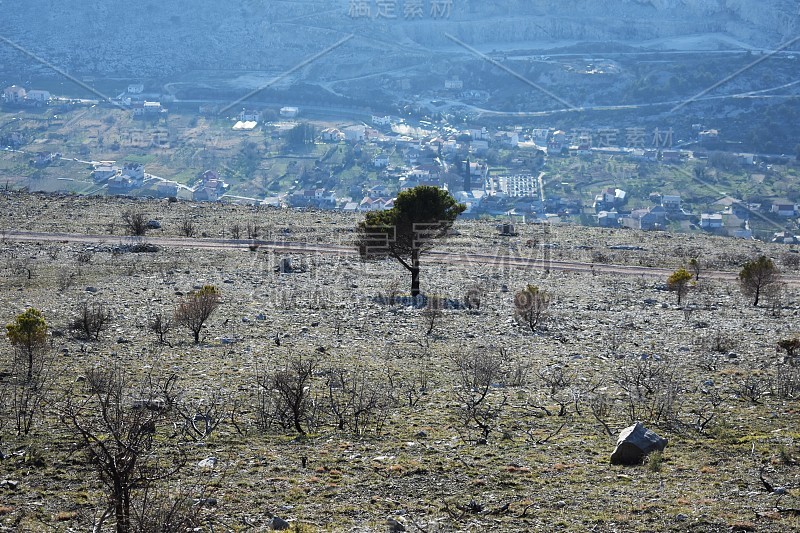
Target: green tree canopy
758	275
419	217
28	333
678	281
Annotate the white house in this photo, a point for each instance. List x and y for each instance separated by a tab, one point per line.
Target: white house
481	134
135	88
105	172
290	112
507	138
671	202
783	208
135	172
455	84
711	220
375	204
14	94
479	146
540	136
210	189
381	121
147	108
249	115
608	219
355	133
332	135
38	95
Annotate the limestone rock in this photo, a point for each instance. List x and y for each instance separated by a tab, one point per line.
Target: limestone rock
634	443
279	524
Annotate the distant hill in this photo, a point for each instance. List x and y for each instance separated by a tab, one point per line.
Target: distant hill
156	39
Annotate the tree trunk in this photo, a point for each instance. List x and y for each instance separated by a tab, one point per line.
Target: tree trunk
415	274
758	294
123	525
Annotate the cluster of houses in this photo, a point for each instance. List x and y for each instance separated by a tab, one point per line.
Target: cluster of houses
43	159
733	219
210	188
18	96
120	180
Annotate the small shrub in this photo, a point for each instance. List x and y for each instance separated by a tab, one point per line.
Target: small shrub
655	461
91	320
135	222
531	305
196	308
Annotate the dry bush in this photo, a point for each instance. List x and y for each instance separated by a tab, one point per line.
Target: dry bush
201	416
786	384
253	230
357	402
160	324
719	342
188	229
236	231
119	434
90	321
473	297
790	261
432	313
754	387
531	306
135	223
652	390
479	406
286	398
196	308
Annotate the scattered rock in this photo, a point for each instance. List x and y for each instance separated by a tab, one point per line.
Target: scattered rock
209	462
91	289
9	484
395	526
206	502
285	266
681	517
634	443
279	524
154	405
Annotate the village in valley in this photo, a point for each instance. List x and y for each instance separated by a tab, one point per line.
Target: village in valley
281	156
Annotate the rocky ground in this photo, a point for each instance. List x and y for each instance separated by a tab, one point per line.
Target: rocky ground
709	376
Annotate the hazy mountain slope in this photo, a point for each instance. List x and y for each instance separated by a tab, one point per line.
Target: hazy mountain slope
150	38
